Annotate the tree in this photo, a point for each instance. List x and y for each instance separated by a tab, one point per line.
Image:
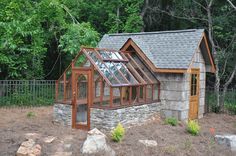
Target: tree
218	19
30	34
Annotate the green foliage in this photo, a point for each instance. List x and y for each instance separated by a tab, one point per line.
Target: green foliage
30	115
171	121
118	133
31	30
231	107
229	102
28	95
193	127
78	35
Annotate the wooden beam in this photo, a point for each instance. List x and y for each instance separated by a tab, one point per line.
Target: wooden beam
130	95
138	93
209	54
152	91
145	93
56	91
101	91
111	97
132	60
130	42
92	85
64	85
121	96
171	70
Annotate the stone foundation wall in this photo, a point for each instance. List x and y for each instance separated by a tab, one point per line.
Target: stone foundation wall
108	119
174	95
62	113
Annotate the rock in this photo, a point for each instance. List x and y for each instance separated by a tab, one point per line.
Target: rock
36	150
32	136
22	151
28	144
227	140
62	154
96	144
148	143
28	148
67	146
49	139
95	131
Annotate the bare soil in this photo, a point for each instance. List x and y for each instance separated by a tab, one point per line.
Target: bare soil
14	124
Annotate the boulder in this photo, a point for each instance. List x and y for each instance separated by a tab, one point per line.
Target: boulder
49	139
28	148
32	136
96	144
148	143
227	140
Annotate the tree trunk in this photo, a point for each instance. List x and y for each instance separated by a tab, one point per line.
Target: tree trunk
210	34
226	86
117	18
143	12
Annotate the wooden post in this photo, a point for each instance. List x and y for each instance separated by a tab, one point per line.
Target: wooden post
101	91
138	93
121	96
145	93
92	85
111	97
152	91
130	95
64	85
56	96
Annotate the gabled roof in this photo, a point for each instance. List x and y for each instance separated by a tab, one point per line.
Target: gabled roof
165	49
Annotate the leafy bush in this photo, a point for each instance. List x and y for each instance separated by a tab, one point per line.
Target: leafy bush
118	133
30	115
193	127
171	121
231	107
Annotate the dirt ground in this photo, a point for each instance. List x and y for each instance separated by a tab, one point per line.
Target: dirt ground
14	124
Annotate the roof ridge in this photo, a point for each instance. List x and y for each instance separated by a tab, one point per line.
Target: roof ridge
154	32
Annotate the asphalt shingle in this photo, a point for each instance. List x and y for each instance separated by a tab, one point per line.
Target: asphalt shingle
166	49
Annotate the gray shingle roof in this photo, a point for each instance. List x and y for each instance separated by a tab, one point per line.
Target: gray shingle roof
166	49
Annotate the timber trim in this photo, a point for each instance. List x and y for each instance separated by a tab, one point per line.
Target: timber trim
213	68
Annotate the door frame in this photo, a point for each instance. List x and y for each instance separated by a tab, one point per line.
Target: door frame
75	74
194	98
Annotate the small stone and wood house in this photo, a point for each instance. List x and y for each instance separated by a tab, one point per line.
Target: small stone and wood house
132	76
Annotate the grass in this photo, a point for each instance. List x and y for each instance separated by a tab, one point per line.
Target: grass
30	115
171	121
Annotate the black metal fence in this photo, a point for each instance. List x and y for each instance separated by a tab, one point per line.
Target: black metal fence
27	92
228	102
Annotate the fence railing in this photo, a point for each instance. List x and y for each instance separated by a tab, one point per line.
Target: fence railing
228	102
27	92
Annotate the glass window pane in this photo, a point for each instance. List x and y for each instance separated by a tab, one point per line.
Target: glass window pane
125	72
193	84
102	67
116	72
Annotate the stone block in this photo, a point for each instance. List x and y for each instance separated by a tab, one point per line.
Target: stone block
127	116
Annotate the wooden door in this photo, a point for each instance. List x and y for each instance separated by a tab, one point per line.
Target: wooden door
81	98
194	94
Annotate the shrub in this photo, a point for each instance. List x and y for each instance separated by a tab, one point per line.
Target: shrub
118	133
193	127
231	107
171	121
30	115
